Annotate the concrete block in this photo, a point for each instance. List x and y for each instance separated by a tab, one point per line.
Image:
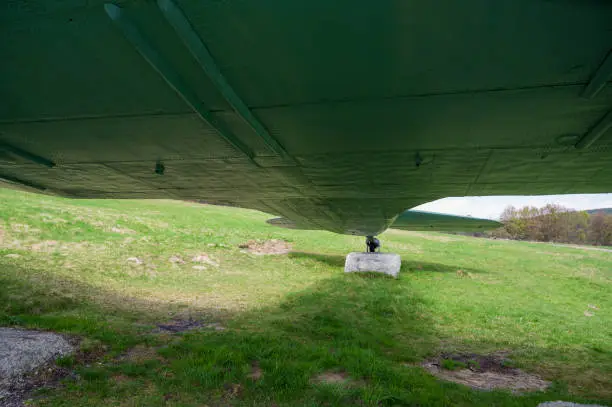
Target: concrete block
387	263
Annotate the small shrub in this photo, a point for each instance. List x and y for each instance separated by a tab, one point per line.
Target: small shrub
65	361
450	364
90	345
11	320
508	363
93	374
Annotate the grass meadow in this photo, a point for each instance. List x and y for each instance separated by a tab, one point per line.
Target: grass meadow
291	329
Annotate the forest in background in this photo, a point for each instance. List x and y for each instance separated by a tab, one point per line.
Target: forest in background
555	223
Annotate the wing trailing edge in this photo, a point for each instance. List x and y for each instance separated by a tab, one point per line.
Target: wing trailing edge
418	221
288	224
421	220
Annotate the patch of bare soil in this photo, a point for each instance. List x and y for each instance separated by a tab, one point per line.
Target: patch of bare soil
119	378
484	372
134	260
140	353
23	228
204	258
54	246
48	375
332	377
182	325
464	274
176	260
256	372
273	246
45	246
232	390
122	231
22	388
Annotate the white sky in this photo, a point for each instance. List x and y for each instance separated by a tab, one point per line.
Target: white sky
492	206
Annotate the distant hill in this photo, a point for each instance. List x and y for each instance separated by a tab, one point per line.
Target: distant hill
604	210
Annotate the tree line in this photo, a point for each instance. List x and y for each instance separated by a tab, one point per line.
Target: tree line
555	223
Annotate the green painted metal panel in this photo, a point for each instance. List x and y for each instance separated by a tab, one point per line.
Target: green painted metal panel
336	115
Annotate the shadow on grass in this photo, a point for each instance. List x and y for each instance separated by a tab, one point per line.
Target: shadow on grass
361	329
371	332
39	299
332	260
408	265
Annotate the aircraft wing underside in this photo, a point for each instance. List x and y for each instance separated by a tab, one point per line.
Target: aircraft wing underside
336	115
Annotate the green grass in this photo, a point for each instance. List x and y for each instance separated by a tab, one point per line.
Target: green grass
292	317
450	364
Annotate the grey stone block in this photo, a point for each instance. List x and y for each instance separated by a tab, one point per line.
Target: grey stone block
387	263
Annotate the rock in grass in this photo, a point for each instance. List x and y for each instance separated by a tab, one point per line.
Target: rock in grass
267	247
134	260
204	258
387	263
176	260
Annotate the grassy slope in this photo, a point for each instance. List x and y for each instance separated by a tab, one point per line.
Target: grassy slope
294	316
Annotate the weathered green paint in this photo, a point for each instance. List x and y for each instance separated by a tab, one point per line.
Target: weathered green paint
190	38
600	78
596	132
16	183
486	96
10	150
165	69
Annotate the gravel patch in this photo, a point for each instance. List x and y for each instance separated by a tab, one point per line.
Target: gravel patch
27	361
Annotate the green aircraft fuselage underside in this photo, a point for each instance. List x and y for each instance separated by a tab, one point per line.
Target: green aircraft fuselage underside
337	115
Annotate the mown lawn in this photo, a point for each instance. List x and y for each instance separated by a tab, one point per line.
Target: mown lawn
110	271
